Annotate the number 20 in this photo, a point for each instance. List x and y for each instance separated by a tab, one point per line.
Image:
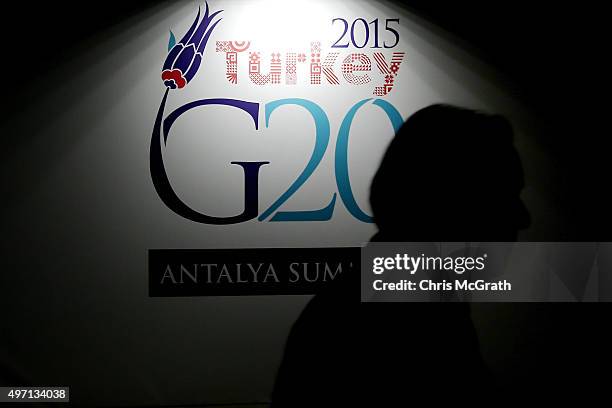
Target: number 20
341	161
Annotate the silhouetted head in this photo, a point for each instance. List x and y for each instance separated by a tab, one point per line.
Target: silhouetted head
450	174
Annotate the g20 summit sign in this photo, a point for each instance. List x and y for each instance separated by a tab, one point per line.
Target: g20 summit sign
332	66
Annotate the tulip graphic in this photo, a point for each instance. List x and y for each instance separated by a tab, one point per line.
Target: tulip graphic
185	57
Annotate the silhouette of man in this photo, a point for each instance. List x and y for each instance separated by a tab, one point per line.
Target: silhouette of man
450	174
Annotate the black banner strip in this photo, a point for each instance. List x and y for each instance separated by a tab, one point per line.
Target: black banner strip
250	271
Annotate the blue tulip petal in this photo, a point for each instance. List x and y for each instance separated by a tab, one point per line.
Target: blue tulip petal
194	67
189	32
172	56
183	61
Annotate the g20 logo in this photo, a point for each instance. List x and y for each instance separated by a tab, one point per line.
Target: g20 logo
181	64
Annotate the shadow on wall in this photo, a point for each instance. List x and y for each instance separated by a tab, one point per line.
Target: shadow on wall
344	351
